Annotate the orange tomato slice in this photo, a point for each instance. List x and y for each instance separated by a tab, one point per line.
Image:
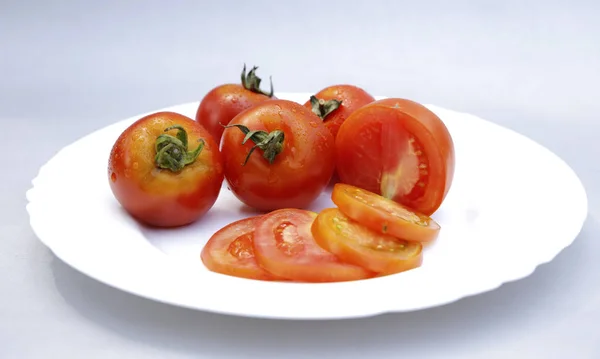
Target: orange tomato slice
384	215
354	243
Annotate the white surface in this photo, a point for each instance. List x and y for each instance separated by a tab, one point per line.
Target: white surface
529	65
488	234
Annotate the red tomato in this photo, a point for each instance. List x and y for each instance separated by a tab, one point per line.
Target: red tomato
335	103
384	215
354	243
224	102
230	251
399	149
284	245
165	170
277	154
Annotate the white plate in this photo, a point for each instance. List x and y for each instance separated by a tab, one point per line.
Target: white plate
513	205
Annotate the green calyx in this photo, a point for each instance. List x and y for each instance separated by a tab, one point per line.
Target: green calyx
323	108
252	82
172	151
270	143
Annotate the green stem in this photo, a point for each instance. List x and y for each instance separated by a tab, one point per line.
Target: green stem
323	108
252	82
271	143
172	151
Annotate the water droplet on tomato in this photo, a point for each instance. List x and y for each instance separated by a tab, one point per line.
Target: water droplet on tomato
113	177
135	165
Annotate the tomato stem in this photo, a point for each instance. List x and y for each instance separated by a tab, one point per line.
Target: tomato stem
323	108
271	143
252	82
172	151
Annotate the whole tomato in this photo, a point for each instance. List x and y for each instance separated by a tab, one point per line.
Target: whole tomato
277	154
224	102
334	104
165	170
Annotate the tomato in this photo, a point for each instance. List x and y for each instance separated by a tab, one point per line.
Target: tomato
334	104
284	245
354	243
230	251
384	215
165	170
224	102
277	154
399	149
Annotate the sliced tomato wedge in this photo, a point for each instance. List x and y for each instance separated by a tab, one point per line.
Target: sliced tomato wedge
230	251
384	215
284	246
357	244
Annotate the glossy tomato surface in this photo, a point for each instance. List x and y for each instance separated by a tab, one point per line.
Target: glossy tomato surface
399	149
230	251
221	104
284	245
351	99
300	155
354	243
384	215
160	196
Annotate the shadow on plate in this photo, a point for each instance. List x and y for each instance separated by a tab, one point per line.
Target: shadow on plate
515	309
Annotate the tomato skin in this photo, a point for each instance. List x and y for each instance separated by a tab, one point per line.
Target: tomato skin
284	245
220	105
399	149
230	251
354	243
299	172
352	97
159	197
383	215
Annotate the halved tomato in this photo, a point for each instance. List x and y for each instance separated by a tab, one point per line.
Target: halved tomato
284	246
230	251
384	215
354	243
399	149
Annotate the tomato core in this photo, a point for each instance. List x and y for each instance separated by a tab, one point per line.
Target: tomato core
241	247
287	239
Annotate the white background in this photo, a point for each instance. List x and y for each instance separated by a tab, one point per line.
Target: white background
70	67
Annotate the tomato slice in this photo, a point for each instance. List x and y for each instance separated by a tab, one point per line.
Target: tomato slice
230	251
357	244
284	246
384	215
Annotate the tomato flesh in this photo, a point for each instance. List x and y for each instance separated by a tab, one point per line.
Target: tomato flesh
354	243
230	251
384	215
284	246
399	149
